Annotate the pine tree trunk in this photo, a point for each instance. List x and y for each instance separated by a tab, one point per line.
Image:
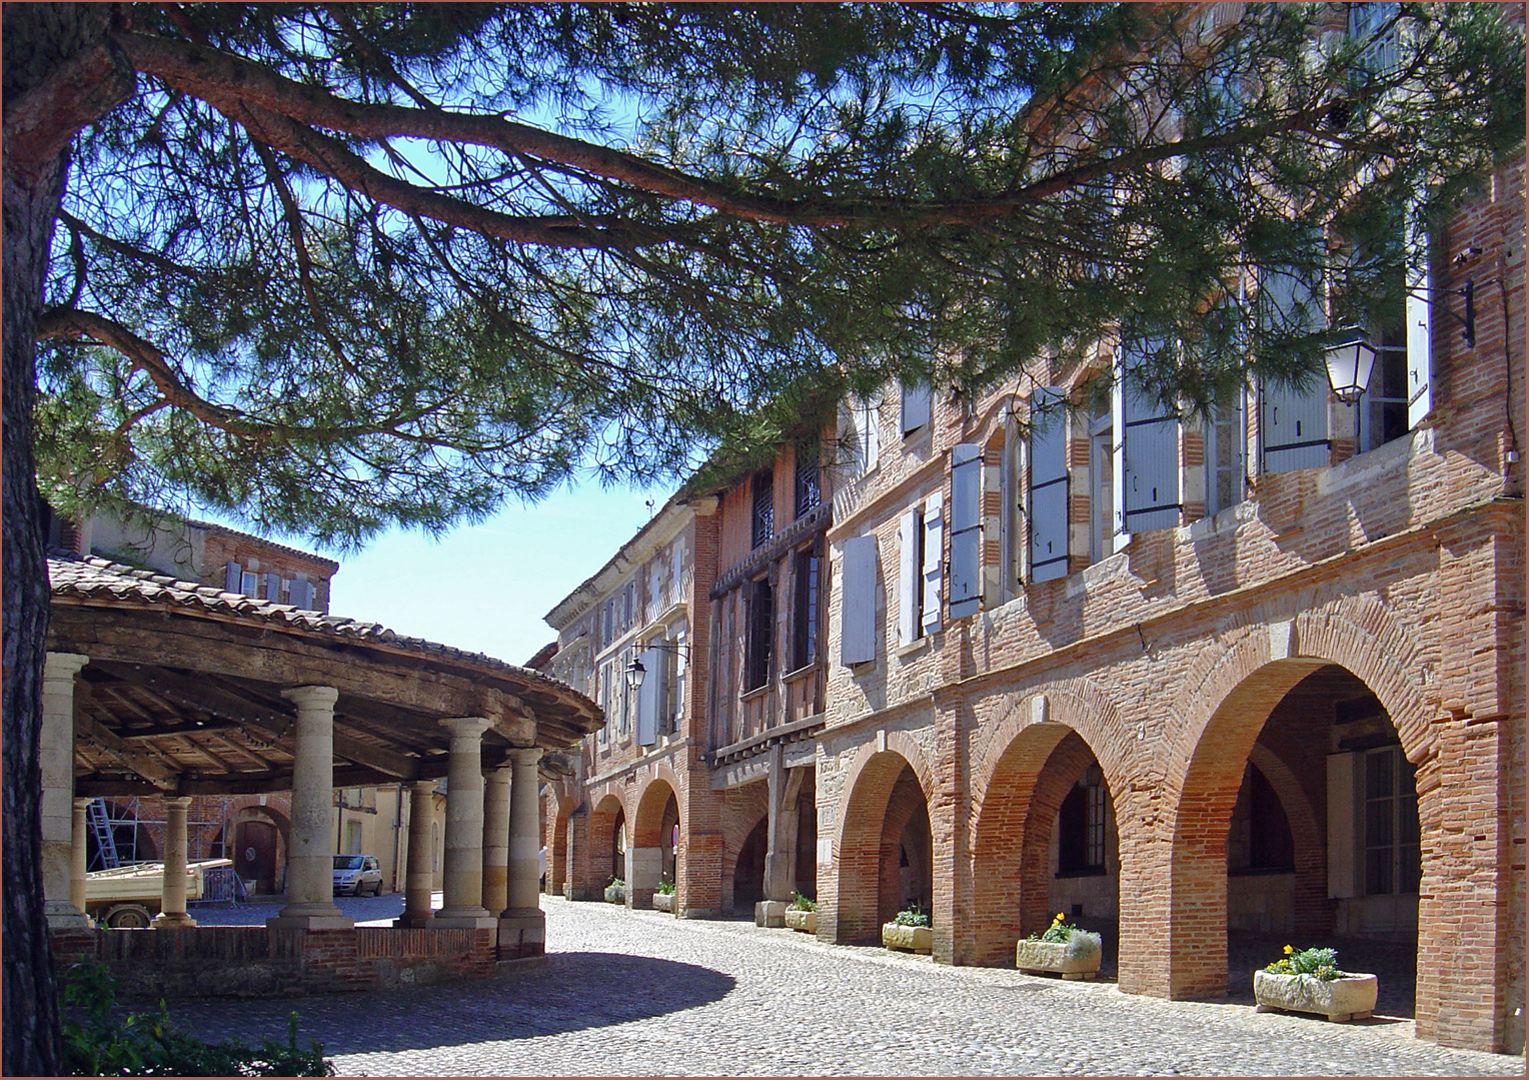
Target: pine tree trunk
49	96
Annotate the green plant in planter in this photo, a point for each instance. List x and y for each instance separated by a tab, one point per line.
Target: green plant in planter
1317	963
617	883
802	903
1058	932
666	888
1080	942
912	915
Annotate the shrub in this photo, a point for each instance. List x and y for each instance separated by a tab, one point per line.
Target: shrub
912	915
1317	963
97	1043
802	903
666	888
1058	932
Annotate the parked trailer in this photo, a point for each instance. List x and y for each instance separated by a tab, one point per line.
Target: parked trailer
127	897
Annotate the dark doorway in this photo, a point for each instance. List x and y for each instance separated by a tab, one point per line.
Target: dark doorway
748	878
255	855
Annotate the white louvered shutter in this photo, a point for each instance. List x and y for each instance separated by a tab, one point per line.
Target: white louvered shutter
1292	423
1419	329
934	551
1048	500
233	577
910	571
857	638
649	695
965	530
917	407
1147	462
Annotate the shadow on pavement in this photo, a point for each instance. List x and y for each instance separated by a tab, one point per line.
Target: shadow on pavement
572	992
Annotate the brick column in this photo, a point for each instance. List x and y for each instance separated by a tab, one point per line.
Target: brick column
496	839
310	847
419	873
78	855
522	926
172	894
56	756
462	869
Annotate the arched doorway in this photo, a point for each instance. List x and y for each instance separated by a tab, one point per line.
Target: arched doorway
749	871
651	859
607	843
260	848
886	860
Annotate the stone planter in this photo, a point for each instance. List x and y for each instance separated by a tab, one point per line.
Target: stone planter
663	902
1349	998
615	894
805	921
919	939
1052	957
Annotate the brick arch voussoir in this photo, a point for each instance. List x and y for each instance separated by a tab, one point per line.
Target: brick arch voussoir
869	763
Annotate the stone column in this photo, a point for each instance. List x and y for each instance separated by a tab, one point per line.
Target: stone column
522	926
462	871
56	753
172	894
419	873
780	840
310	848
79	852
496	839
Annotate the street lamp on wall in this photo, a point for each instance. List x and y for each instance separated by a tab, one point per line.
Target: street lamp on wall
636	671
1349	364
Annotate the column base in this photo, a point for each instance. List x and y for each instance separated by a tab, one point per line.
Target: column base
522	933
697	913
62	915
414	920
463	922
310	917
770	913
173	921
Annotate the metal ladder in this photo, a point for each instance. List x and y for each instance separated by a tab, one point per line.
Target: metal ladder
106	842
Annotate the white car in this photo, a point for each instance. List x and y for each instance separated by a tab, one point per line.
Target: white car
357	875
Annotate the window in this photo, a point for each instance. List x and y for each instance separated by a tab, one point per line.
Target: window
1293	420
862	426
1101	481
910	576
249	583
1048	491
761	619
628	605
1365	21
965	530
1146	473
1392	861
808	491
764	507
804	618
1225	446
1080	826
916	407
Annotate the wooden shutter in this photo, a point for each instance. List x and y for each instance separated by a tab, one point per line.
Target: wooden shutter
301	595
917	402
233	577
910	530
649	694
1147	461
273	588
1344	853
1292	422
1419	328
934	552
1048	500
857	637
965	529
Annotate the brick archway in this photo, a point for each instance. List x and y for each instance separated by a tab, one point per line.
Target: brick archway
604	819
556	812
645	855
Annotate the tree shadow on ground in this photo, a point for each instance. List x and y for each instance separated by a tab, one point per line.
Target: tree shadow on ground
570	992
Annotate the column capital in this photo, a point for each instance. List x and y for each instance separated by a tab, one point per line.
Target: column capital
466	727
63	665
526	755
500	772
426	787
178	802
83	804
313	697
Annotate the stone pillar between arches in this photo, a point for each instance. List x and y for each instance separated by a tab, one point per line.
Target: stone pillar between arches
418	872
462	869
522	924
310	850
172	893
56	758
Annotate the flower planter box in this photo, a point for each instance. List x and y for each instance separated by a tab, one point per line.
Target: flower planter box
1070	960
805	921
663	902
615	894
919	939
1349	998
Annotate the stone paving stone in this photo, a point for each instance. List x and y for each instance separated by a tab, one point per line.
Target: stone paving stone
632	993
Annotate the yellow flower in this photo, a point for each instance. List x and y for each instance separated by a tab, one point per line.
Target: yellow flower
1059	917
1288	950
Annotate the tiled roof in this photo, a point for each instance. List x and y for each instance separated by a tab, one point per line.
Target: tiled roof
94	578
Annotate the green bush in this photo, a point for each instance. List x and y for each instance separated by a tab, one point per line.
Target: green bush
666	888
802	903
1058	933
1318	963
912	915
98	1043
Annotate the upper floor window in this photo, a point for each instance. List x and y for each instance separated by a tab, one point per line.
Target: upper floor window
1225	451
917	407
804	621
764	507
1374	26
862	432
761	624
808	489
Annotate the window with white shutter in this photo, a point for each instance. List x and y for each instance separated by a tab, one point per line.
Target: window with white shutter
934	553
1147	455
1293	427
857	636
965	530
910	576
863	427
917	407
1048	497
1419	329
649	694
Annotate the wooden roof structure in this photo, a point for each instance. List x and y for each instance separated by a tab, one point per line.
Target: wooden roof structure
182	694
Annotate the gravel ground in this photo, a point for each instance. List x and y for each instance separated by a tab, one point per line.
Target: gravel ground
633	993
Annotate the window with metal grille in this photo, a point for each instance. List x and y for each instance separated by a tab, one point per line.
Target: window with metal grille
764	507
808	491
804	621
761	616
1392	862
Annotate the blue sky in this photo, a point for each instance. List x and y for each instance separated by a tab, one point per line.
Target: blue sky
486	587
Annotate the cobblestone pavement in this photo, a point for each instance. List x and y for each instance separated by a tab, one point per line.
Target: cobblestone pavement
633	993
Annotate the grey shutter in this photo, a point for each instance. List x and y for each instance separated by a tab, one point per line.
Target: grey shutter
1048	500
1419	329
965	529
273	588
301	594
857	638
909	573
934	552
917	402
649	695
1292	423
233	577
1148	472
